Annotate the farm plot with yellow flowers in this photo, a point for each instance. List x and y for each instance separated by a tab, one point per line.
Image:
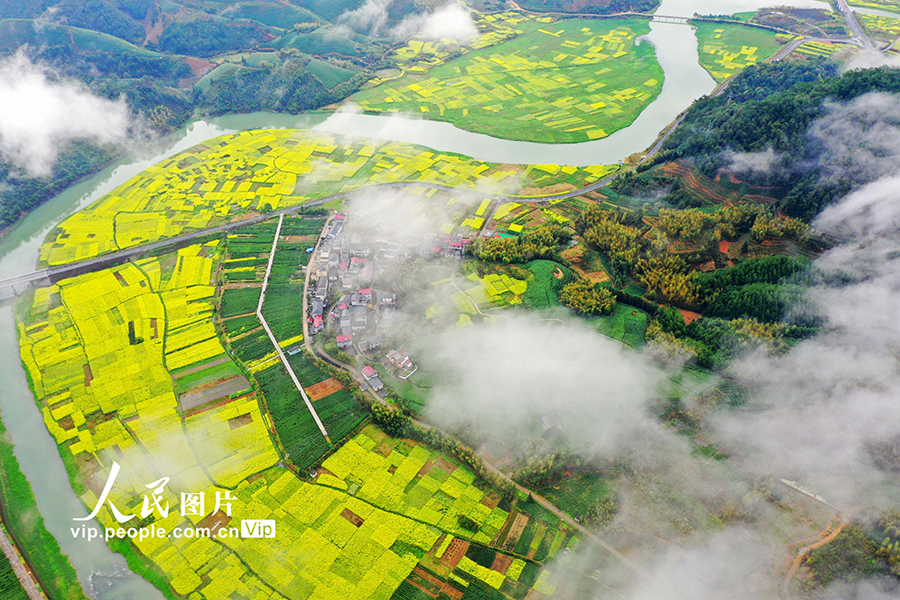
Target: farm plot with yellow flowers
567	81
478	544
379	508
817	49
726	50
226	178
880	27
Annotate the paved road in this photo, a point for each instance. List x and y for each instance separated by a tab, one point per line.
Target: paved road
855	27
107	260
278	350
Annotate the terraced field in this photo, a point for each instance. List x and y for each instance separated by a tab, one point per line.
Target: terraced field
568	81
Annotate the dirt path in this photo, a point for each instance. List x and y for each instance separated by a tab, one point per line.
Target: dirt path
22	571
804	546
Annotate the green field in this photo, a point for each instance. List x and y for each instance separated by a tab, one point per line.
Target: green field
881	28
330	75
543	291
626	324
569	81
726	50
576	494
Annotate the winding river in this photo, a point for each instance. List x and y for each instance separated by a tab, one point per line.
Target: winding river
104	574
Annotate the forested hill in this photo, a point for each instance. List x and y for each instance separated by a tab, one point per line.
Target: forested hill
174	60
773	106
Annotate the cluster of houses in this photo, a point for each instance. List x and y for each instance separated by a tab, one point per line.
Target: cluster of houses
343	298
345	269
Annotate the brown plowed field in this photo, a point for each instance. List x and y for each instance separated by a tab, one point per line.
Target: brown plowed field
454	552
323	388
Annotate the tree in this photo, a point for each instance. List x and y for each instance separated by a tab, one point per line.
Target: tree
586	298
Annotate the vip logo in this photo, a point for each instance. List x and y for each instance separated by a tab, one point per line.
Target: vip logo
257	528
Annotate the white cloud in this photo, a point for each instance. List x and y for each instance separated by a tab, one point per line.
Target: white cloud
860	139
451	21
509	375
758	162
38	114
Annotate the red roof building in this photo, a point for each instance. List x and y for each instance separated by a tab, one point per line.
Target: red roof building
368	372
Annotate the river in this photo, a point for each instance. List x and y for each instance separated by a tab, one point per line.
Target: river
36	450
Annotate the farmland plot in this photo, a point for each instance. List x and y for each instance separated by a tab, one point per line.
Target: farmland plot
229	177
568	81
726	50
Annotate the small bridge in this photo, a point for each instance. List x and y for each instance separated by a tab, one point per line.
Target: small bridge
670	19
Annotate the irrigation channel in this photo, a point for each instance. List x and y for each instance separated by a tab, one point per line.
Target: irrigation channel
104	574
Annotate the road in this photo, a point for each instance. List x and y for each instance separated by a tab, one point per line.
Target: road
54	274
855	27
21	569
278	350
106	260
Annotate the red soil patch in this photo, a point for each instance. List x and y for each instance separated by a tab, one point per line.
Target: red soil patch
502	563
215	522
425	468
454	552
707	267
426	576
558	273
689	316
213	405
422	589
445	465
492	500
451	591
240	421
323	388
724	246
